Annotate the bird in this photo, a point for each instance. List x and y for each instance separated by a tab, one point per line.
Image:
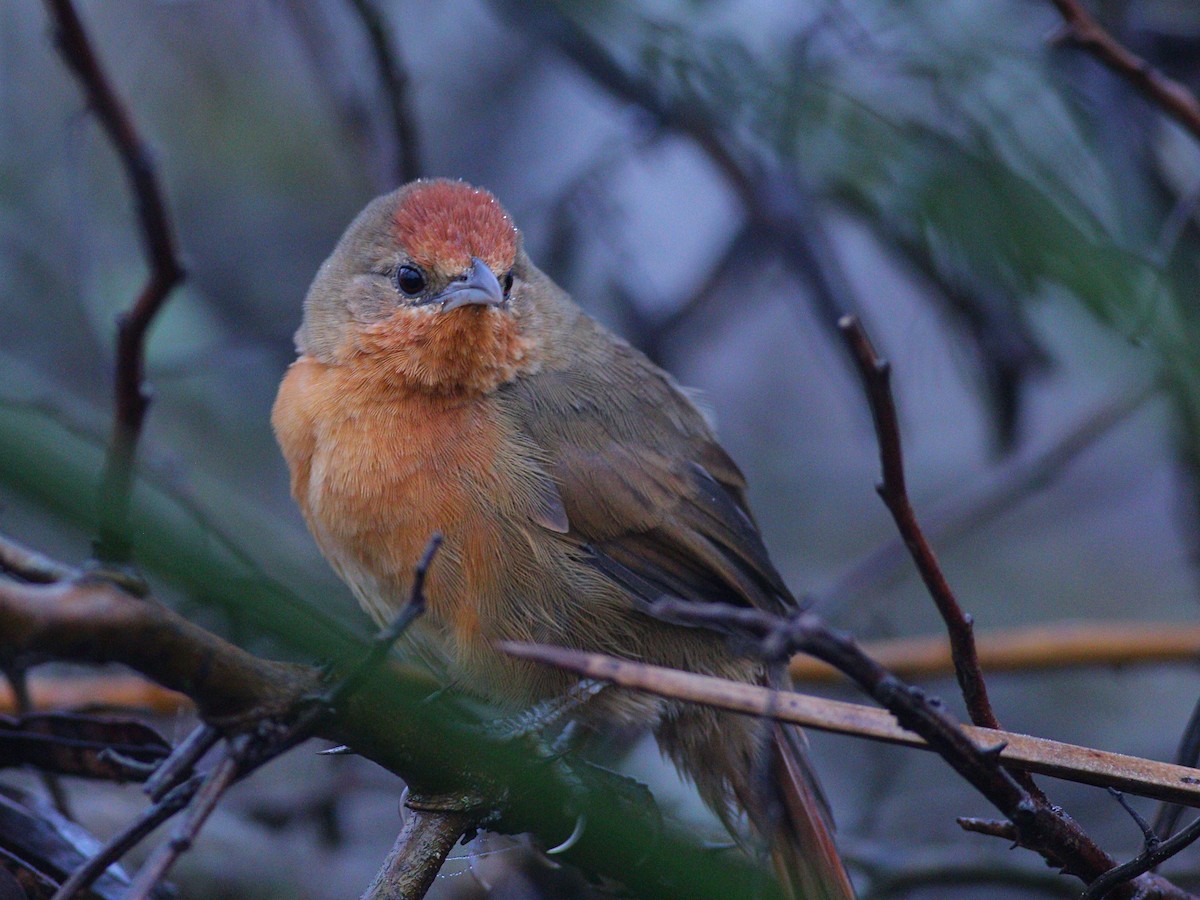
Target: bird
445	384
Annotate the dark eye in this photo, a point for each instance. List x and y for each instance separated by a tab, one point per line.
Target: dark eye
410	280
508	282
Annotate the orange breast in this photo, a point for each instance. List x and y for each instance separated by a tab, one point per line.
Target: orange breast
376	470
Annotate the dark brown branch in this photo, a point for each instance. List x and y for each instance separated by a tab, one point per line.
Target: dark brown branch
876	375
1168	95
166	271
394	79
428	836
1153	855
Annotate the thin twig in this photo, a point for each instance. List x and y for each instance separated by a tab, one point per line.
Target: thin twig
393	76
1149	838
418	854
1082	30
202	805
383	642
1142	863
132	401
876	375
128	838
178	766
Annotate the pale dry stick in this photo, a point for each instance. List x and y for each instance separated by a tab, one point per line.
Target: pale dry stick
1084	765
201	806
1059	645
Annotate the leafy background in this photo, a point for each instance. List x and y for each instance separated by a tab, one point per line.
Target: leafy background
1015	225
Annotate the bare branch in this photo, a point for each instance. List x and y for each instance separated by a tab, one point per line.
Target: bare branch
1168	95
166	271
778	206
876	375
202	805
1152	856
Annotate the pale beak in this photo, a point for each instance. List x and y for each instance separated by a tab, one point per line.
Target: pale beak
477	287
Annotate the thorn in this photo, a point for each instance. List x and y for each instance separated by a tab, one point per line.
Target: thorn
573	839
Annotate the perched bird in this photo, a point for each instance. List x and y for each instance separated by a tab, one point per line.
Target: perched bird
445	384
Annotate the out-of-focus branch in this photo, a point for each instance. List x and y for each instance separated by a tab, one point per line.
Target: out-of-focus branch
166	271
126	839
1083	765
1060	645
30	565
977	504
876	375
427	838
777	205
1082	30
393	78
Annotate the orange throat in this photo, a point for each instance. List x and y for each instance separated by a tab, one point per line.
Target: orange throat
468	351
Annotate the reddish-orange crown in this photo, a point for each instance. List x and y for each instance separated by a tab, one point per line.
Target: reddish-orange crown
443	224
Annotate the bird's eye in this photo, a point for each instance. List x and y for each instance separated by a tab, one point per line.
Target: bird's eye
508	282
410	280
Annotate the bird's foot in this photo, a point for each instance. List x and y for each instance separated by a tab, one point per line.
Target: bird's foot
542	717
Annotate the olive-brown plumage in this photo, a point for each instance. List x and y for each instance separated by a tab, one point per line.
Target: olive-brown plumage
445	384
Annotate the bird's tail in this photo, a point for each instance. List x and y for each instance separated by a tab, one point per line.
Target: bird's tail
801	828
774	785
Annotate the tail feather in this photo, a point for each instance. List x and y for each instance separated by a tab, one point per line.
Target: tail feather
802	845
740	767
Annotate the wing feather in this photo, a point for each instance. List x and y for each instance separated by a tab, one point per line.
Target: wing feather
642	480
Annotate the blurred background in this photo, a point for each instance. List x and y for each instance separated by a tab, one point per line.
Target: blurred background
717	181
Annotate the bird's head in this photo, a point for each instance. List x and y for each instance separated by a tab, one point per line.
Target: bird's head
425	289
